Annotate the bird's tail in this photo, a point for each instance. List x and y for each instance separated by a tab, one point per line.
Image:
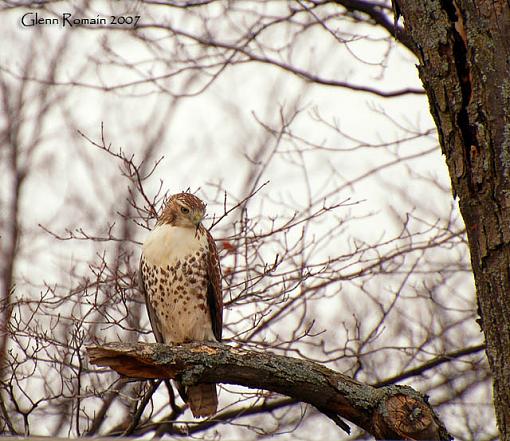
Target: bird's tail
202	399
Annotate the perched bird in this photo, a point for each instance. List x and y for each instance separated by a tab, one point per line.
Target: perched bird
181	280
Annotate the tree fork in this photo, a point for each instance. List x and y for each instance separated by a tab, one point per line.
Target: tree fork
389	412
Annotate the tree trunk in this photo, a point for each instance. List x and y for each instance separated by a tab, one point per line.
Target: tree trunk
463	49
389	412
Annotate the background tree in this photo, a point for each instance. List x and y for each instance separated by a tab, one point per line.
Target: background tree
338	243
465	65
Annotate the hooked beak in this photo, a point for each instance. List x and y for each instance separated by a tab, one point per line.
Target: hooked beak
197	218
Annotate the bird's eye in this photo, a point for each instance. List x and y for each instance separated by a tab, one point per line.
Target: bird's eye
184	210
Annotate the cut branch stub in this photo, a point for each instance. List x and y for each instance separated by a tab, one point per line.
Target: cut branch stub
390	412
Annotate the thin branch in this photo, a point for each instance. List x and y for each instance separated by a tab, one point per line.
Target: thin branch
446	358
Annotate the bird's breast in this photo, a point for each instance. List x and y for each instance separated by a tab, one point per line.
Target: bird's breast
174	270
167	244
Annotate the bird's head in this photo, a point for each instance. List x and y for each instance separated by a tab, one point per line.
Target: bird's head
183	210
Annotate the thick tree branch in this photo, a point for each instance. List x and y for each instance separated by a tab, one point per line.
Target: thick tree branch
378	14
390	412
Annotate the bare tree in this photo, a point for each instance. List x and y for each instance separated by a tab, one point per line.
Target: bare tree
336	246
469	100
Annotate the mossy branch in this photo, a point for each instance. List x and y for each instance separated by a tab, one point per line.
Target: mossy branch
389	412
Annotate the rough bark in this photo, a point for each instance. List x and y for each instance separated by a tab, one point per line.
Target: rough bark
463	49
389	412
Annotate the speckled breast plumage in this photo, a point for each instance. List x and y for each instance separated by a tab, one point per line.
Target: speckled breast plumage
174	268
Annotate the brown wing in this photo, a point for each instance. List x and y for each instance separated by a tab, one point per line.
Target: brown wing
214	294
150	310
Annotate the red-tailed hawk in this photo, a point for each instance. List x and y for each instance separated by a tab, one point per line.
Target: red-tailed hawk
181	280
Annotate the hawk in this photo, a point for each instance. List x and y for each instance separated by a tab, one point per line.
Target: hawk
181	280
